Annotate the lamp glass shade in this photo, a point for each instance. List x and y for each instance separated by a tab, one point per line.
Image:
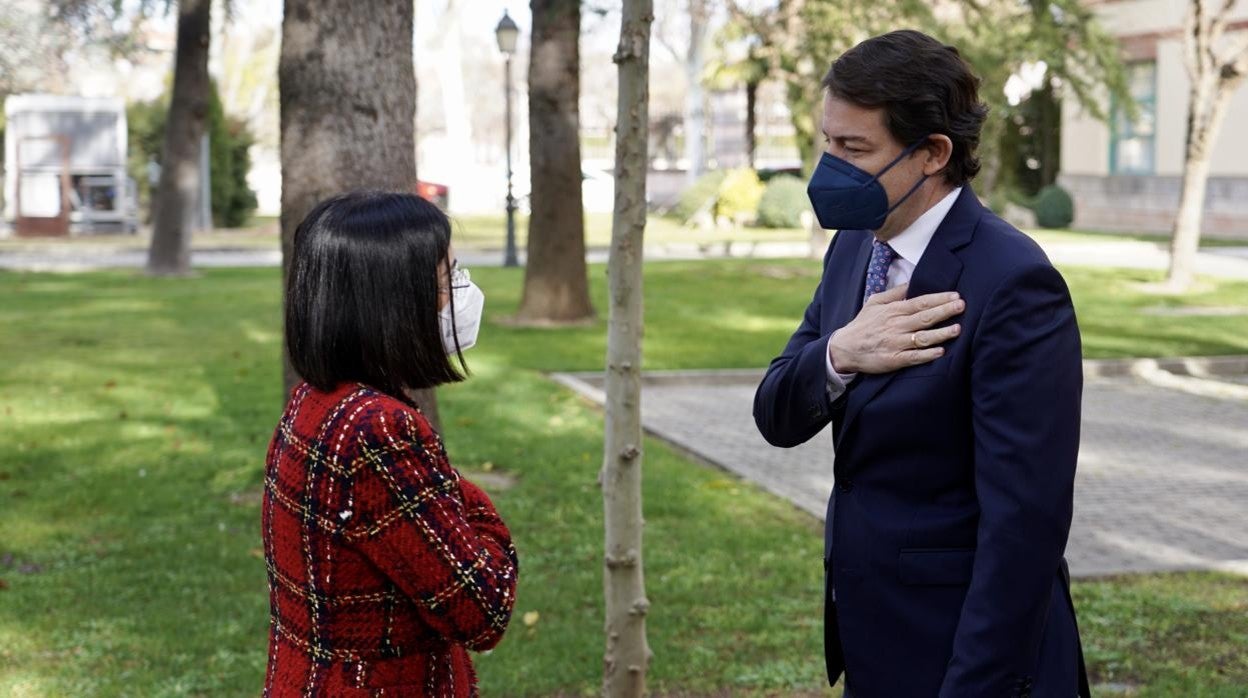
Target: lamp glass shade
507	33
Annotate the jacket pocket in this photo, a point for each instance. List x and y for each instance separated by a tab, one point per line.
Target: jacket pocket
935	566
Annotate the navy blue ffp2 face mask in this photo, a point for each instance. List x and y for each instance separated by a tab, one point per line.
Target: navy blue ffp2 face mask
845	197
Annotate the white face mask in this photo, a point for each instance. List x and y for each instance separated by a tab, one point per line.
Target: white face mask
469	303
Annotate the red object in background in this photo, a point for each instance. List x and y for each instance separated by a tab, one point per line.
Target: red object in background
437	193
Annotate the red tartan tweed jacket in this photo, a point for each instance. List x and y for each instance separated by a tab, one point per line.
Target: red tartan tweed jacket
384	565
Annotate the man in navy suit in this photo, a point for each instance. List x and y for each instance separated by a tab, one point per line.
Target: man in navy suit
942	346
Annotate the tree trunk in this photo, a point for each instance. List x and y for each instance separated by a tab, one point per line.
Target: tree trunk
1214	75
556	284
695	96
803	102
348	110
751	122
1206	111
1050	134
178	190
990	154
627	652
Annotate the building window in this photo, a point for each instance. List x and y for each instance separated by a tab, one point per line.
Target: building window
1132	143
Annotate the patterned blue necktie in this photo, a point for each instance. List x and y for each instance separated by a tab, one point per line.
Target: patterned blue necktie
882	257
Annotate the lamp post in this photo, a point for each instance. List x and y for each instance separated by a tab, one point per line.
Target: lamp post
507	32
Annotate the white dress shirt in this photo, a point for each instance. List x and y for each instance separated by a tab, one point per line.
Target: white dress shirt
909	245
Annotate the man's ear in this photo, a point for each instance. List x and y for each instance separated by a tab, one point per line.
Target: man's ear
939	149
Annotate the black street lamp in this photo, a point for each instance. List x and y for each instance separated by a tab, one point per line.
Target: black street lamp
507	33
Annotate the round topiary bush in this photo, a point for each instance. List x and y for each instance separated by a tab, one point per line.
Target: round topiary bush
1054	208
739	195
783	202
702	194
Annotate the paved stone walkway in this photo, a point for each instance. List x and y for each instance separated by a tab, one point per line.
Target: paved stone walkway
1163	470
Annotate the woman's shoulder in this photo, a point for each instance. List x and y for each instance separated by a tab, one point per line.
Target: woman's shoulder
359	410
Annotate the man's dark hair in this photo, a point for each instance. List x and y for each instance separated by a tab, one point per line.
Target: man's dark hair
923	86
362	294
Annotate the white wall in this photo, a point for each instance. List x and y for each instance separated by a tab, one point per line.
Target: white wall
1085	141
1127	17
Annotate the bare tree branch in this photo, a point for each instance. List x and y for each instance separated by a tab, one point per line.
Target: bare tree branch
667	45
1235	69
1201	37
1217	26
1191	31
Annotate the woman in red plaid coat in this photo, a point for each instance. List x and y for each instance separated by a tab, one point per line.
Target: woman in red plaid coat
385	566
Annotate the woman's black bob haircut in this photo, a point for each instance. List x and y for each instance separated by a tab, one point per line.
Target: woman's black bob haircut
362	294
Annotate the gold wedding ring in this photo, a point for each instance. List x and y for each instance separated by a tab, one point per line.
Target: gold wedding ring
914	339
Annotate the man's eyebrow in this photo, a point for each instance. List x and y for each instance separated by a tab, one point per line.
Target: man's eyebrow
845	137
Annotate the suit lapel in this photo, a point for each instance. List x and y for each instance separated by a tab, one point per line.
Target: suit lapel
938	271
846	305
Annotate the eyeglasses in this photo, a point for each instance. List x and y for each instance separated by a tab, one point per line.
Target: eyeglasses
460	278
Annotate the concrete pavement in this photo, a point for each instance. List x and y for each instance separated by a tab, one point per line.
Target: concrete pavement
1162	482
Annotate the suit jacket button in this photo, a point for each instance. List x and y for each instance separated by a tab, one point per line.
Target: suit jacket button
845	486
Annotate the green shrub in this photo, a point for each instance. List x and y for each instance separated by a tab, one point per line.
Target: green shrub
783	203
997	199
702	194
740	194
145	122
1054	208
769	173
228	159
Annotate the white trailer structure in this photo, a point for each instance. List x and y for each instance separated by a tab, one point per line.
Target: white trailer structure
65	166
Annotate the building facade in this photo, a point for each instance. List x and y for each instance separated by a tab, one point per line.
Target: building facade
65	166
1126	175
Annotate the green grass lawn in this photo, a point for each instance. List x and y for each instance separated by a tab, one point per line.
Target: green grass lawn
488	232
137	412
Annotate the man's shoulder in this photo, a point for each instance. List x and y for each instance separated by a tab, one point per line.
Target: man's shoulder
999	250
997	237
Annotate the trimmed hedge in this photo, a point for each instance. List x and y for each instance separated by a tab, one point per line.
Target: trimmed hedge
740	195
233	201
783	203
703	193
1053	207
